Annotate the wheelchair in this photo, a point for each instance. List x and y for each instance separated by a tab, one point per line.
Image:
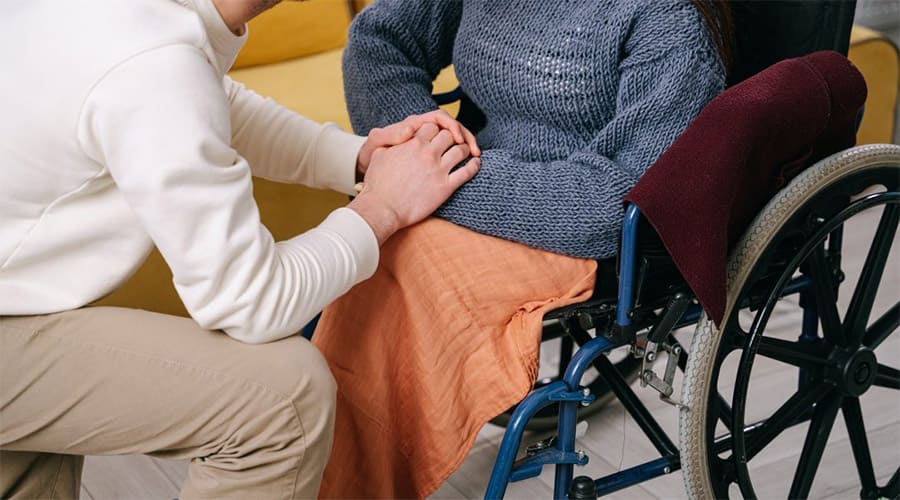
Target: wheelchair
789	259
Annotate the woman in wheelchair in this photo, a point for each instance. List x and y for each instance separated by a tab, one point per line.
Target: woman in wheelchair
578	100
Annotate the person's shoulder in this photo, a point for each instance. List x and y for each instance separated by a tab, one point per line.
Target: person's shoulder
667	24
670	15
137	25
85	40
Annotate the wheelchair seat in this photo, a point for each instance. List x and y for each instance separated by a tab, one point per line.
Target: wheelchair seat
745	147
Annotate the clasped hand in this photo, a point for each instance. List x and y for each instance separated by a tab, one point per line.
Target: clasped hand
409	170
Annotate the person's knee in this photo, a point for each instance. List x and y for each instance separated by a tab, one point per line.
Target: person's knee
315	388
279	434
294	368
299	369
287	418
307	380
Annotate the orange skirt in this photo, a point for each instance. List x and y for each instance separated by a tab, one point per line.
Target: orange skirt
441	339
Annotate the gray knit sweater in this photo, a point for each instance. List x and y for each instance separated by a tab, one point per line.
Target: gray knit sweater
581	97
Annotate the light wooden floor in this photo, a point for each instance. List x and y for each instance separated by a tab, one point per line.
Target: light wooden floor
613	441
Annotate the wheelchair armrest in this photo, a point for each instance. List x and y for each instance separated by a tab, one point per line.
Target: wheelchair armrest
450	97
628	264
469	115
647	273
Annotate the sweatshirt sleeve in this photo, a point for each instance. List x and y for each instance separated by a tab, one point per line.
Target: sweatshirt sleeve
160	123
394	51
284	146
573	206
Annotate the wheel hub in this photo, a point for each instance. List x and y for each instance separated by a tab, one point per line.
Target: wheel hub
857	371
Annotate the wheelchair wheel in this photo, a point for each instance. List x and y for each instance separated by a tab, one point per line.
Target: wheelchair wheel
546	419
847	348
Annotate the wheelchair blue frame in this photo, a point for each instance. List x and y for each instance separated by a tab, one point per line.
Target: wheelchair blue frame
568	395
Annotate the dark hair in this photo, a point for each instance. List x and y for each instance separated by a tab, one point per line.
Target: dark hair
717	15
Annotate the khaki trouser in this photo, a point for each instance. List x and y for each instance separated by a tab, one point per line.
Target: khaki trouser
255	420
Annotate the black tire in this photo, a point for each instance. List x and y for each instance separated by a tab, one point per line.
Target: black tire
722	435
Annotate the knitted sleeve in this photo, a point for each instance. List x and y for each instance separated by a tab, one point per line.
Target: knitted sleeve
394	51
574	206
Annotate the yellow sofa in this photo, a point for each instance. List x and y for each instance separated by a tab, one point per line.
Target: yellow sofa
879	61
293	55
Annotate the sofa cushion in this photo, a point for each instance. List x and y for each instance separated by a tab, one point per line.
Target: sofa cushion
310	85
291	30
877	59
313	86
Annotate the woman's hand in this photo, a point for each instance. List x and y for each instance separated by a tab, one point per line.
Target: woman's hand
408	182
400	132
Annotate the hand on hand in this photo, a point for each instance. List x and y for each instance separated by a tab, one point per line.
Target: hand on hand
406	183
400	132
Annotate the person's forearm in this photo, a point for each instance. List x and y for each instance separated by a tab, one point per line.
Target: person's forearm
284	146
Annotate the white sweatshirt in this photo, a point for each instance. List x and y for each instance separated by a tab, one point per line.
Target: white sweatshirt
119	130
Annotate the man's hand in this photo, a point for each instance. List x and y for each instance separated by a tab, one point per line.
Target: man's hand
400	132
406	183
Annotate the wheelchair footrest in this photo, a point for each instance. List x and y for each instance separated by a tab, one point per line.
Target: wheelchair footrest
532	465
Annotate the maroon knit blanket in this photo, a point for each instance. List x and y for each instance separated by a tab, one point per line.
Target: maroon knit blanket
744	146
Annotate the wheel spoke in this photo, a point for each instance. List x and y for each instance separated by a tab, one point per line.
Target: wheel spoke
861	454
566	345
814	446
892	488
803	355
724	471
726	441
887	377
725	413
729	344
882	327
864	295
786	416
826	302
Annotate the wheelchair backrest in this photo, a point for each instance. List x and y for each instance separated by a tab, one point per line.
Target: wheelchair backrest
768	31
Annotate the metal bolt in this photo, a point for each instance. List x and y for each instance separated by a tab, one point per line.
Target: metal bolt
651	356
586	391
861	374
580	454
676	350
667	470
647	376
